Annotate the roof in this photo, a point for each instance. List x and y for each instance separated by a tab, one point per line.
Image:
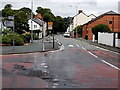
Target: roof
107	13
38	21
111	13
84	14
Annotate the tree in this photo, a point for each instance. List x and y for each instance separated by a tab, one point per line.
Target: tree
8	6
58	24
7	11
66	23
100	28
26	10
78	29
21	22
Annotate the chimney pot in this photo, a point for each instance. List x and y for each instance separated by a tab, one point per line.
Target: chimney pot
80	11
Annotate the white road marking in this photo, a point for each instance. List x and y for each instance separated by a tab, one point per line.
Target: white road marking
83	48
62	47
102	60
70	45
110	64
98	47
92	54
77	45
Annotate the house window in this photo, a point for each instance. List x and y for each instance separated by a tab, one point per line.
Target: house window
110	22
35	26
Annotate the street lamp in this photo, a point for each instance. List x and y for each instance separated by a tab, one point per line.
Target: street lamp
76	7
31	21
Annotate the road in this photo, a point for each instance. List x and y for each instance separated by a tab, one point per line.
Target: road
75	65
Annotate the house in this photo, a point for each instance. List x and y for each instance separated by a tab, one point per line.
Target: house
38	26
119	7
81	18
111	19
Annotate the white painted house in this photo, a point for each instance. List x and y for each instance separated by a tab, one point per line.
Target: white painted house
81	18
38	24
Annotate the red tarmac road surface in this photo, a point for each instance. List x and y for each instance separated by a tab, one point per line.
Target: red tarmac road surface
92	74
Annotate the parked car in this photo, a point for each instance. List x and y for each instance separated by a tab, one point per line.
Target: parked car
66	34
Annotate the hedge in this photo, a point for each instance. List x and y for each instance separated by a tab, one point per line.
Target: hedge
8	39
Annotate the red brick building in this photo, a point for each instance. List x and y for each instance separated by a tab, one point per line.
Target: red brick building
111	19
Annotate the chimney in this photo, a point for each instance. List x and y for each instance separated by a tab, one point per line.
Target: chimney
80	11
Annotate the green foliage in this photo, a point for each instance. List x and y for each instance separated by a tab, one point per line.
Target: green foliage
66	23
58	22
36	37
21	22
100	28
8	6
7	31
18	40
26	37
78	29
26	10
8	39
21	17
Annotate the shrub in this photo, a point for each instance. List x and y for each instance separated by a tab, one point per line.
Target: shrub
27	37
18	40
100	28
36	37
8	39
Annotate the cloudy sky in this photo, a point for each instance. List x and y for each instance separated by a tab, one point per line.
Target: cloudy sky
66	8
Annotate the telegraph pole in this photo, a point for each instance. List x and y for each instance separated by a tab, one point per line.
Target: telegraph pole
76	22
31	21
43	45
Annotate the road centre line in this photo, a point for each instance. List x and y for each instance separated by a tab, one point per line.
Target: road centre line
92	54
98	47
110	64
102	60
84	48
77	45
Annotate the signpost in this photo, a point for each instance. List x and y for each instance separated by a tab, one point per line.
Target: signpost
10	24
50	27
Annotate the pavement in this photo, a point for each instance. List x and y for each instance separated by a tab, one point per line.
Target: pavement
36	46
115	49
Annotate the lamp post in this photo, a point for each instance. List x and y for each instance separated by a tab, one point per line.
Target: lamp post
76	22
76	7
31	21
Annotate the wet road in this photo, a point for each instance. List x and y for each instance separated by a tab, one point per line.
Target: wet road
75	65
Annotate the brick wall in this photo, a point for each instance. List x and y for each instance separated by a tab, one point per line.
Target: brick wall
113	21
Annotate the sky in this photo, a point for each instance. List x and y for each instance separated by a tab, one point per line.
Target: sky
66	8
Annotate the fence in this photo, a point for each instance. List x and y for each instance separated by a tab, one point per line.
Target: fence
111	39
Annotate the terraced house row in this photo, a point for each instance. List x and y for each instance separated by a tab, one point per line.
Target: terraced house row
110	18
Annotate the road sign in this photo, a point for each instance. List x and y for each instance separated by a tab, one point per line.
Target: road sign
9	23
50	25
11	17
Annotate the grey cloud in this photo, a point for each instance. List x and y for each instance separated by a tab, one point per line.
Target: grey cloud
62	7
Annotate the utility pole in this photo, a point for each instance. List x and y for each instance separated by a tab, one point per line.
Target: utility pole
43	45
76	22
31	21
